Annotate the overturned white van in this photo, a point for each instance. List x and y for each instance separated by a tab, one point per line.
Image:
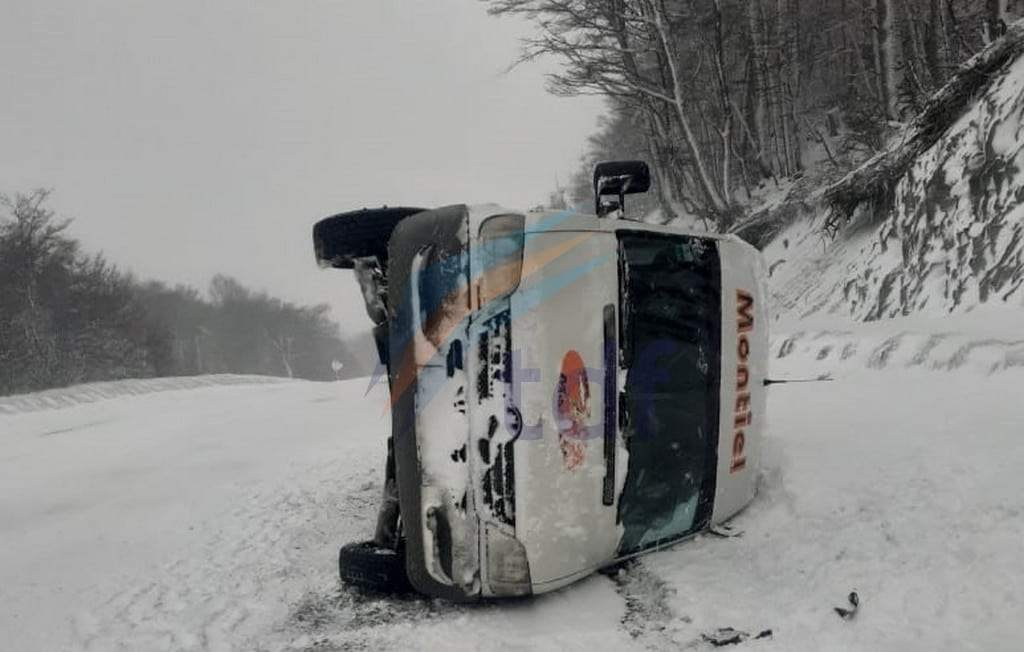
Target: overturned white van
568	390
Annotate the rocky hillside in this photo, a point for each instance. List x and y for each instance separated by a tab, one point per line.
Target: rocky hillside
947	236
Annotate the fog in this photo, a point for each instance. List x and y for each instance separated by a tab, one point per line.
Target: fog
191	138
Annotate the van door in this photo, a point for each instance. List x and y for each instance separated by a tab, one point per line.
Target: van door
670	308
564	345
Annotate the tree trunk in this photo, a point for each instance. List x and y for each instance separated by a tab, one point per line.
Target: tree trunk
715	200
914	66
725	105
886	43
776	108
794	85
951	25
199	355
667	198
933	39
995	19
758	101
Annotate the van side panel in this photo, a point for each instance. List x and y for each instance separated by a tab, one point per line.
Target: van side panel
744	370
558	334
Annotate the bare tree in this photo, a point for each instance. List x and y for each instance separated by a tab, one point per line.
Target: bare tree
730	93
627	49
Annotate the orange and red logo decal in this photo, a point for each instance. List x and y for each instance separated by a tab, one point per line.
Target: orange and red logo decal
573	410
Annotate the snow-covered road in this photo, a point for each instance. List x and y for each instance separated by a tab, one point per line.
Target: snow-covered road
160	520
209	518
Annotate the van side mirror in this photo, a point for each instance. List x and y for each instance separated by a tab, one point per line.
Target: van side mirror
618	179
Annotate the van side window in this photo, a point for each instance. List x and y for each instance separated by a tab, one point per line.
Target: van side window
443	297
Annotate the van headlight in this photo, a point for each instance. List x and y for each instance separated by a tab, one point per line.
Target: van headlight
508	569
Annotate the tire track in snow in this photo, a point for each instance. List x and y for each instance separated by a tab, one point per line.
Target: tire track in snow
240	579
649	618
349	619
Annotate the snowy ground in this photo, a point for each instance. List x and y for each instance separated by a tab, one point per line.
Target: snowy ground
209	518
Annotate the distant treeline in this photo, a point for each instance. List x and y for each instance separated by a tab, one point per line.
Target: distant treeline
70	317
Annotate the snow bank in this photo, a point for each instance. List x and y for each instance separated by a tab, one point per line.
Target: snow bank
837	350
92	392
984	342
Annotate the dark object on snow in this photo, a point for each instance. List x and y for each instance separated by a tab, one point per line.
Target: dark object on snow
730	636
619	178
725	636
761	228
368	565
342	239
826	378
876	179
848	614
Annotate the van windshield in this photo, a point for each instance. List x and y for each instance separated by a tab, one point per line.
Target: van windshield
670	330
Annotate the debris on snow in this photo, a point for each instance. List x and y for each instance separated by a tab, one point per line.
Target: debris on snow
730	636
848	613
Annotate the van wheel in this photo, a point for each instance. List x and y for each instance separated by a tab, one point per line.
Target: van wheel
371	566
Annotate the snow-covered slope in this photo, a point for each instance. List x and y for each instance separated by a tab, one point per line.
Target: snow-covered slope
953	240
209	518
985	340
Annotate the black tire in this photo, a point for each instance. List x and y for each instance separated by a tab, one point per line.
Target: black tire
340	239
370	566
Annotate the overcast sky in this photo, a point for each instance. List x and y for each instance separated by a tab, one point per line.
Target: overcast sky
190	137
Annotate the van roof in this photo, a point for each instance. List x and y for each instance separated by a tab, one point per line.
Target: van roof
540	220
